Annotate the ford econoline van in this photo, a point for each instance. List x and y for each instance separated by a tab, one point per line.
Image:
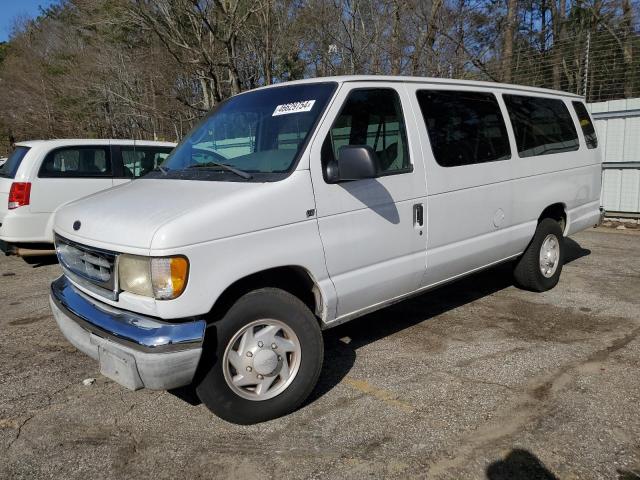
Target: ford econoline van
299	206
42	175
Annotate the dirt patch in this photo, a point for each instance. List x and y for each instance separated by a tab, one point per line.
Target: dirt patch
29	320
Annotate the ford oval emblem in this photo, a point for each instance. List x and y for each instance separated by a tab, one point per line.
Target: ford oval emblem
76	225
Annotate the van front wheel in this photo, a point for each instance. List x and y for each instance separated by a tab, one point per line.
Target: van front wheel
268	358
539	267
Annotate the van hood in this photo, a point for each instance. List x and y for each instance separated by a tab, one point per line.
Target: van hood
164	214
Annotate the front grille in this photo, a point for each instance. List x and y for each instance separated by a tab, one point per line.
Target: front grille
92	268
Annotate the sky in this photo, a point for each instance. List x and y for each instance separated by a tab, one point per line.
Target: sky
11	9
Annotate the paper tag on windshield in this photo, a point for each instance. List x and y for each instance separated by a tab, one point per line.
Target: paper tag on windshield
295	107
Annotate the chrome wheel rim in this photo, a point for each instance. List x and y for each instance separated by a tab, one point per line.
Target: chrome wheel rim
549	255
261	359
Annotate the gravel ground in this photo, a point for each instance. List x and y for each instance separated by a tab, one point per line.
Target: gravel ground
475	380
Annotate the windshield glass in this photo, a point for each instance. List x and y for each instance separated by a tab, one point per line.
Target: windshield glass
259	135
10	167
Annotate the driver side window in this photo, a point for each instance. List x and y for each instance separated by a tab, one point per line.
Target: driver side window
372	117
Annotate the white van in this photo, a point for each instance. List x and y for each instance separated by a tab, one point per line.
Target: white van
299	206
42	175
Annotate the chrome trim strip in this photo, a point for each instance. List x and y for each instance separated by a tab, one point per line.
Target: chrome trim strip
92	287
137	331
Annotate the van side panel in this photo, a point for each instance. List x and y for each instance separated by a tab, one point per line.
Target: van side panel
469	207
571	178
483	213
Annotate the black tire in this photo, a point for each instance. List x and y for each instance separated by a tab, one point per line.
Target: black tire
527	272
265	303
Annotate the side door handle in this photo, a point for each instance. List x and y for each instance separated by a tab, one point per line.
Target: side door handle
418	215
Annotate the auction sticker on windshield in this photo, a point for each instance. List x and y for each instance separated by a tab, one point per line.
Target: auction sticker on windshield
295	107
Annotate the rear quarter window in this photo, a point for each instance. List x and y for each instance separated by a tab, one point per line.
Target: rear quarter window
586	124
541	125
10	168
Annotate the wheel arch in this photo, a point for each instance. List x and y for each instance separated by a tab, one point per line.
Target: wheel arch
294	279
556	211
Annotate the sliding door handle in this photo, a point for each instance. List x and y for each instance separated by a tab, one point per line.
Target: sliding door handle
418	215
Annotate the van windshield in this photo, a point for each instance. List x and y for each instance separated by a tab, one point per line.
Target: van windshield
10	167
256	136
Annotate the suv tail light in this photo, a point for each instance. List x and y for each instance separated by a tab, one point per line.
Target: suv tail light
19	194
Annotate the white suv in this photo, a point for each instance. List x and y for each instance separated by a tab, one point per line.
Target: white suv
42	175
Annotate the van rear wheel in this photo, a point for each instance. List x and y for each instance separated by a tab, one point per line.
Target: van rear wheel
268	358
539	267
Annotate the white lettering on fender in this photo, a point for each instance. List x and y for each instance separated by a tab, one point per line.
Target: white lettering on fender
295	107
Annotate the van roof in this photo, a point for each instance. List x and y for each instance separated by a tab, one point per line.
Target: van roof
66	142
430	80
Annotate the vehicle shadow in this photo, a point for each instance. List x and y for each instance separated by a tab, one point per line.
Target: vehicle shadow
41	260
520	464
342	342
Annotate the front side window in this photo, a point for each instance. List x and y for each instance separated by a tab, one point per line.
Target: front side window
464	127
371	117
10	167
586	124
255	136
138	161
77	162
541	125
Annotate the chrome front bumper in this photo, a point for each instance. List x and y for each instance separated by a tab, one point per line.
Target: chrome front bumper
134	350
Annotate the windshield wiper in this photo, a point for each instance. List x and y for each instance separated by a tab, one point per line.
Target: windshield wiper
229	168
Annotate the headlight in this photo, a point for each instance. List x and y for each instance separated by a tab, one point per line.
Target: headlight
162	278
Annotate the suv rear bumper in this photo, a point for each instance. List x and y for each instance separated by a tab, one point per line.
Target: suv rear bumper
134	350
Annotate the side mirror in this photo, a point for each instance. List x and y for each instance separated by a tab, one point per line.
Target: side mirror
355	162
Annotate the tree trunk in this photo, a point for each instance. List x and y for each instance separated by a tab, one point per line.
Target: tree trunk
396	47
509	37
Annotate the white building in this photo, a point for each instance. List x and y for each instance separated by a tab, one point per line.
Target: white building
618	127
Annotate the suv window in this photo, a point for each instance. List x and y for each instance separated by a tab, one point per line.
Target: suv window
77	162
464	127
371	117
586	124
541	125
10	167
138	161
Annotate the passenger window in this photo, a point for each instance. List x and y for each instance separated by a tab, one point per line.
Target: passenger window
586	124
371	117
77	162
138	161
464	127
541	125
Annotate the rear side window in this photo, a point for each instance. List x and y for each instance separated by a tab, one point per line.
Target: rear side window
371	117
541	125
10	167
138	161
586	124
464	127
77	162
